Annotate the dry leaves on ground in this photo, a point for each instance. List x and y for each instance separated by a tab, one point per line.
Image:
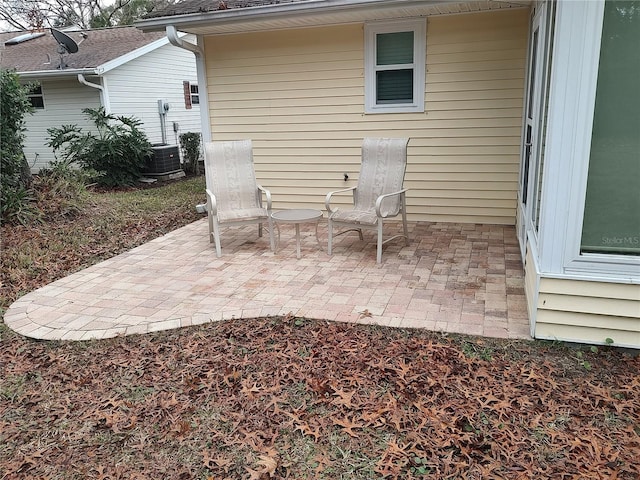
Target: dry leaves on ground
293	398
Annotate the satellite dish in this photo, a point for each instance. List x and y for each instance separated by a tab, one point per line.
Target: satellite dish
65	41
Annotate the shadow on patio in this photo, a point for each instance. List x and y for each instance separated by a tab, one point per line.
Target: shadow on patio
458	278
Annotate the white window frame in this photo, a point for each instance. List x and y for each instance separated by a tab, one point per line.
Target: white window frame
194	104
371	30
37	95
571	111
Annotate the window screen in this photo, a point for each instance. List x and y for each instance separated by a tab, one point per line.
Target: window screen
612	207
394	82
394	86
394	48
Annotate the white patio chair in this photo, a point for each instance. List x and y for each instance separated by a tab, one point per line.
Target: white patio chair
379	194
233	194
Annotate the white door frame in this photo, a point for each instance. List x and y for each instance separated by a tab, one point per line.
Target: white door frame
529	190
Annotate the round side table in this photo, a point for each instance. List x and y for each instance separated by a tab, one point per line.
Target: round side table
297	216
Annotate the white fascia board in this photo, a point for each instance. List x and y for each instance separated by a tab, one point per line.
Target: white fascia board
121	60
71	73
276	11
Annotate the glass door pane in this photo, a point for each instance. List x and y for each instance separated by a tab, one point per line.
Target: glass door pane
612	207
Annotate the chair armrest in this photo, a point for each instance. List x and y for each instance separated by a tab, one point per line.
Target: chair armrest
267	194
327	200
381	198
212	205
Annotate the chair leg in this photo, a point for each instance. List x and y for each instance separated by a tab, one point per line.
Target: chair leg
379	257
260	229
210	215
404	226
216	237
330	235
272	242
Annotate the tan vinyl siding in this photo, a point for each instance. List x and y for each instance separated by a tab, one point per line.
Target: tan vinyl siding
589	311
299	95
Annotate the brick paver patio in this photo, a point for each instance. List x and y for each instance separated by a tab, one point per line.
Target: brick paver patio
452	278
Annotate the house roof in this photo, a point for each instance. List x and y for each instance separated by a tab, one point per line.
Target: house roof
200	6
211	17
100	47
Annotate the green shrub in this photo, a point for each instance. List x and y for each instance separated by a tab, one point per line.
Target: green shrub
14	181
18	205
190	145
117	151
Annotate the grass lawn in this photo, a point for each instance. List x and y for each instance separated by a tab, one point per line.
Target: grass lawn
290	397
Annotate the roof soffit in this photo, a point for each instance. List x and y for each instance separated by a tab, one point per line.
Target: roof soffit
318	13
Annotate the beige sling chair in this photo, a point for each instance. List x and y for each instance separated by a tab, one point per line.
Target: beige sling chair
379	194
233	194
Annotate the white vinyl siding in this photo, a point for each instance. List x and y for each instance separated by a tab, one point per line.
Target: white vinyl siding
65	100
135	88
131	89
299	95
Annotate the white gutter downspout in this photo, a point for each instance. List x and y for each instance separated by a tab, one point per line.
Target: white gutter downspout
198	51
103	95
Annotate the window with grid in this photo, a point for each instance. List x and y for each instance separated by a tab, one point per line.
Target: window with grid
191	94
195	97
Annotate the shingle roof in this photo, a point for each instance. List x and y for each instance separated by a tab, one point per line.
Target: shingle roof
202	6
100	46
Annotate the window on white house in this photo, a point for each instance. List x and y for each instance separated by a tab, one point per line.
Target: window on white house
395	66
195	98
191	94
35	96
